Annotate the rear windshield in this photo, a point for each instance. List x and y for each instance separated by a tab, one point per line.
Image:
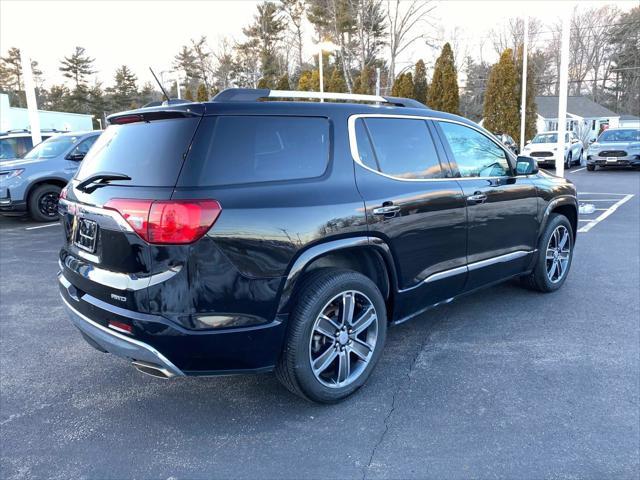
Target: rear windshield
246	149
151	153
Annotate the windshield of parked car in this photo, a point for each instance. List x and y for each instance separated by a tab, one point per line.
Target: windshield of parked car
620	136
52	147
548	138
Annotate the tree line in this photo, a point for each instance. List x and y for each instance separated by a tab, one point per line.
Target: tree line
369	38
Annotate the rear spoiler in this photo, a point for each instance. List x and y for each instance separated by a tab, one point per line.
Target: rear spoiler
160	112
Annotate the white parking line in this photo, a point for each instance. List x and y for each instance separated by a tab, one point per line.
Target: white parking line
601	193
42	226
605	214
578	170
599	199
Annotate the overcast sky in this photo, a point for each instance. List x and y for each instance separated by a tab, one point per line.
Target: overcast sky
149	33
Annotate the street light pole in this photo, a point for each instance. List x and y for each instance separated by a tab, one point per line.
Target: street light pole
321	73
523	104
32	103
562	98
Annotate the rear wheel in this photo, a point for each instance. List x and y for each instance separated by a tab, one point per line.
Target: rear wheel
555	253
43	203
336	334
591	168
568	162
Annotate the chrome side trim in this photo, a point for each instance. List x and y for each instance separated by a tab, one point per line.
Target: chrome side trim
118	344
120	281
499	259
469	267
353	145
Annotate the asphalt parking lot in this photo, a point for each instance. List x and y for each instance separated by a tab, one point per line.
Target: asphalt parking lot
507	383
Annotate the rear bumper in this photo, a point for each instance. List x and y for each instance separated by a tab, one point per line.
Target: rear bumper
165	345
120	345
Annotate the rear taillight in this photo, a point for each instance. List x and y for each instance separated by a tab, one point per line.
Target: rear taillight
170	221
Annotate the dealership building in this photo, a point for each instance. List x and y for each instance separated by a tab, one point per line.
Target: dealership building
16	118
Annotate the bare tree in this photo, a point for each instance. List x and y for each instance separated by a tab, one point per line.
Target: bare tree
294	12
224	68
402	27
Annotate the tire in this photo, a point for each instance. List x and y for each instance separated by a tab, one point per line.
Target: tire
580	158
568	162
43	203
540	279
591	168
324	292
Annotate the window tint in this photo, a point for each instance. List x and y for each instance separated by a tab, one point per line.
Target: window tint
243	149
9	148
367	157
84	146
151	153
404	148
475	154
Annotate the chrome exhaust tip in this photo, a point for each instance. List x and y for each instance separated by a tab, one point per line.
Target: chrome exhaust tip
152	370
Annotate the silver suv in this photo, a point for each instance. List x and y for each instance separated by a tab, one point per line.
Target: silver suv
33	183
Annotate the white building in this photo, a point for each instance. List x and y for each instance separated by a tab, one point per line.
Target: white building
581	111
15	118
629	121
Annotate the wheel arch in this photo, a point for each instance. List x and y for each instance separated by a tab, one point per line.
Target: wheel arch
369	256
565	205
57	181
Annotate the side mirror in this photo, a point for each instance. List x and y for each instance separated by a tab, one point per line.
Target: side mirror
593	140
574	140
527	142
77	156
526	166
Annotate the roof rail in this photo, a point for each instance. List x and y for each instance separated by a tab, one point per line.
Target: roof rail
255	94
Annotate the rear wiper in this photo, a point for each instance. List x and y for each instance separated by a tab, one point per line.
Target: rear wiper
101	177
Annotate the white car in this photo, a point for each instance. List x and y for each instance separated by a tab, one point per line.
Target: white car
543	148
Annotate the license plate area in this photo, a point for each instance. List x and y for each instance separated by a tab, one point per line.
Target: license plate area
612	159
86	234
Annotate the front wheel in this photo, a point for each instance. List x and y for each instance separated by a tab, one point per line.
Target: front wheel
555	253
567	162
43	203
591	168
335	337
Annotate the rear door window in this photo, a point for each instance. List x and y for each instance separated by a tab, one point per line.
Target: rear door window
402	148
151	153
230	150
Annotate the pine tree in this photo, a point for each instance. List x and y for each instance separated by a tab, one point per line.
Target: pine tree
305	82
201	94
531	109
263	83
420	86
501	99
98	104
363	82
125	90
443	93
185	62
11	81
403	86
336	82
264	34
77	67
283	83
188	94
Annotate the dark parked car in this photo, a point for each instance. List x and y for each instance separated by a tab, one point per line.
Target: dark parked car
242	235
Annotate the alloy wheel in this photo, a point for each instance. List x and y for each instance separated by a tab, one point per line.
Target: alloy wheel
343	339
48	204
558	254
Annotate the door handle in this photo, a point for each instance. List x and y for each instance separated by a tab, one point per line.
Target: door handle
387	210
477	197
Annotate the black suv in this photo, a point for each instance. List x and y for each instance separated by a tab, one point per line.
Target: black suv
250	235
